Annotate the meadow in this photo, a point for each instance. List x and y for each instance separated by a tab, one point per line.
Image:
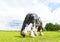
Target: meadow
14	36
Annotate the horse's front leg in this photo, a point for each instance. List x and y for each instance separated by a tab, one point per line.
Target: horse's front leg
33	30
41	32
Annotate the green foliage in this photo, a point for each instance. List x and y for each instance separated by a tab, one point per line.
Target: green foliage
52	27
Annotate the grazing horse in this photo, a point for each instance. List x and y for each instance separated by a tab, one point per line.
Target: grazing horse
36	25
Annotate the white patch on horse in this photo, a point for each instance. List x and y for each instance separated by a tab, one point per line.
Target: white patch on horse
41	32
34	31
25	30
32	34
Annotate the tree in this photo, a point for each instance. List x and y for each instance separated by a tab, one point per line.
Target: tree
52	27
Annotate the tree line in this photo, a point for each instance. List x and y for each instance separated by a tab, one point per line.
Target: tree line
52	27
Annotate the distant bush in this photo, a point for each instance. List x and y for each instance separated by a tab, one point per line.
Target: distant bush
52	27
58	31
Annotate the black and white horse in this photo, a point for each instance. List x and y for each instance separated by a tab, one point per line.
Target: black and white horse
36	25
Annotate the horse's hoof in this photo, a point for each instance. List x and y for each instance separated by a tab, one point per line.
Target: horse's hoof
41	34
33	36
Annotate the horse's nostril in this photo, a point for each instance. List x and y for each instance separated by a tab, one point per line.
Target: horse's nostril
23	34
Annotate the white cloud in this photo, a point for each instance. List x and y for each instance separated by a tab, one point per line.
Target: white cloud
46	2
56	16
55	1
18	12
15	10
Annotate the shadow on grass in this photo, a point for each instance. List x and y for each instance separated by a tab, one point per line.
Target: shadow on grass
18	36
22	37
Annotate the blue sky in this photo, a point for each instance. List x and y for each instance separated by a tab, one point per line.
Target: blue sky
10	10
53	6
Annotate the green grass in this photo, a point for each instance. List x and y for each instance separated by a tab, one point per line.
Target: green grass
14	36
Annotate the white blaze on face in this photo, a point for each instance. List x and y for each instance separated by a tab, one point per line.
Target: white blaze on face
25	30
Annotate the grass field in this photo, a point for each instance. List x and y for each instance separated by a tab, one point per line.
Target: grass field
14	36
